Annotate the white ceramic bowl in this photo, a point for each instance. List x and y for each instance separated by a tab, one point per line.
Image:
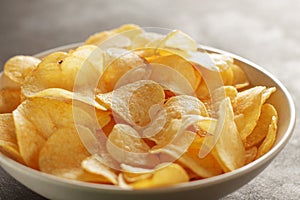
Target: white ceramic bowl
211	188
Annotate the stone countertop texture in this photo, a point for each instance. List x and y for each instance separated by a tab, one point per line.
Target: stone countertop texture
265	32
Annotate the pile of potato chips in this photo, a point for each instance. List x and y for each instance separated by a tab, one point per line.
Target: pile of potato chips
135	109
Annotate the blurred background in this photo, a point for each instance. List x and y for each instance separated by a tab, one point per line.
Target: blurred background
265	32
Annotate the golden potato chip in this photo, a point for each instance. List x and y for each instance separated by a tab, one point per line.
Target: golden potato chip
7	83
267	93
93	165
175	108
92	54
250	154
62	151
143	39
261	129
18	67
132	102
240	79
116	68
128	30
247	106
8	140
48	74
37	118
269	139
182	66
229	149
9	100
125	145
169	174
65	95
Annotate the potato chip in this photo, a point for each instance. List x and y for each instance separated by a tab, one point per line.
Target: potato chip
144	39
93	165
175	108
8	140
229	149
7	83
37	118
9	100
182	66
169	174
247	106
18	67
269	139
62	151
125	145
92	54
132	102
261	129
267	93
128	30
65	95
240	79
116	68
250	154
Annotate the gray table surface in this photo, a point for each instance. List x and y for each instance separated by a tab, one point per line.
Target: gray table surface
266	32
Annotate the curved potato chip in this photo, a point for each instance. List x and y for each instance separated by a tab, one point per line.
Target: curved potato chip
132	102
176	107
247	106
62	151
167	175
9	100
18	67
119	65
92	54
240	79
143	39
229	149
93	165
8	140
182	66
127	30
65	95
261	129
125	145
269	139
37	118
7	83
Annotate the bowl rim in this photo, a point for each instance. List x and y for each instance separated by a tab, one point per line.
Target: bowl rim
182	186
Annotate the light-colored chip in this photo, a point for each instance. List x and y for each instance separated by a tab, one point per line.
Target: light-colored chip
18	67
175	108
262	127
8	140
182	66
125	145
65	95
269	139
128	31
247	106
62	151
116	67
240	79
229	149
93	165
7	83
167	175
132	102
9	100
